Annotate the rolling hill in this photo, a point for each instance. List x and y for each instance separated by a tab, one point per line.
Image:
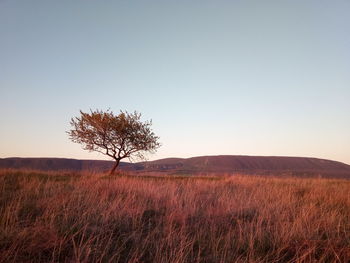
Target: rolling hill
59	164
222	164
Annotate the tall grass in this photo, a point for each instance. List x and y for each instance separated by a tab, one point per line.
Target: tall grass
63	217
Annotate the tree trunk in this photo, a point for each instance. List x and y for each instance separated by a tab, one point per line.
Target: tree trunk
115	166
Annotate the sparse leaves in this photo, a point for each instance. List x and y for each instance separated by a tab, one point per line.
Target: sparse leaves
118	136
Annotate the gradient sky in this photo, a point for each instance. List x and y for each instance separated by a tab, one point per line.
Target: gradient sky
216	77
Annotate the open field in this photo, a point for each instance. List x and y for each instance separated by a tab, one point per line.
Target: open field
74	217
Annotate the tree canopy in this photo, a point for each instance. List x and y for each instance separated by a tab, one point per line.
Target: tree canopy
118	136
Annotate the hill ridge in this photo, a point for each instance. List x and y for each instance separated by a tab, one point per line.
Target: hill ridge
193	165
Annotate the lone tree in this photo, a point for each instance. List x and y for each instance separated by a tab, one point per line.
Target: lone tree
118	136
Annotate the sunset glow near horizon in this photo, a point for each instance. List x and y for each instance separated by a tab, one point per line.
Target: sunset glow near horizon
267	78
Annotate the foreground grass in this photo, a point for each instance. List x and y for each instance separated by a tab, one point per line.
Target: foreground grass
51	217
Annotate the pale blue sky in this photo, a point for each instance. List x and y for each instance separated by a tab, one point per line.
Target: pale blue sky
216	77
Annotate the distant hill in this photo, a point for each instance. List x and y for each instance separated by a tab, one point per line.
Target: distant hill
222	164
272	165
59	164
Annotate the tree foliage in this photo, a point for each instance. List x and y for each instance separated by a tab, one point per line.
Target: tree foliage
119	136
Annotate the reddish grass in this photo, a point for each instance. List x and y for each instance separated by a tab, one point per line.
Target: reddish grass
63	217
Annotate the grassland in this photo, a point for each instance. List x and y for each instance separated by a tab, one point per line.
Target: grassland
66	217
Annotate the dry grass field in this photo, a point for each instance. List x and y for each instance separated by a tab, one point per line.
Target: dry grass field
66	217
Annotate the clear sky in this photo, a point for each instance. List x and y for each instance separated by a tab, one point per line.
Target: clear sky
216	77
